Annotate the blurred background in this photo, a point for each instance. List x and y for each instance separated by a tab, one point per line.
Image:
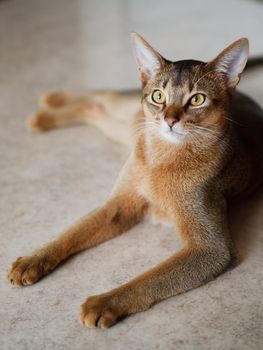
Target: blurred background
85	43
49	180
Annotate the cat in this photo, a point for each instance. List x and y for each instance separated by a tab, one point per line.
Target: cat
195	146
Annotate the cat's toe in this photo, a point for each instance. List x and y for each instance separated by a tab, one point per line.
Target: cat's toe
25	271
54	100
42	121
98	312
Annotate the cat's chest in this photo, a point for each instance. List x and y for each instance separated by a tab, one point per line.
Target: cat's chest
162	186
167	181
168	185
161	190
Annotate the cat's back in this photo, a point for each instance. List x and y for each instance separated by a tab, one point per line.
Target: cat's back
247	118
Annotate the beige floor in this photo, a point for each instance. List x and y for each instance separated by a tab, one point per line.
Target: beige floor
47	181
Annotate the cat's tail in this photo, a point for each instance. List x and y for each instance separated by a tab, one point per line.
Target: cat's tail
111	112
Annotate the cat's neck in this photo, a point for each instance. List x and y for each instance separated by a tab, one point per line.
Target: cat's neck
157	151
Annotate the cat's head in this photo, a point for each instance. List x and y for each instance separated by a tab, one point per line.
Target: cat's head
189	99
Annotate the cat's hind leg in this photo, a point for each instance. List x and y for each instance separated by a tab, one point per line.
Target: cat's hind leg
112	112
91	113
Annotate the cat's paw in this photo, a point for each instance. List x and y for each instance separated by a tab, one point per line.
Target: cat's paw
101	311
42	121
55	100
28	270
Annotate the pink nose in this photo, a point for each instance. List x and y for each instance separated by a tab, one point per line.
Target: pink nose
171	120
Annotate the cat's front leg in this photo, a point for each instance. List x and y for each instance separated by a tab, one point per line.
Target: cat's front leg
119	214
207	254
187	270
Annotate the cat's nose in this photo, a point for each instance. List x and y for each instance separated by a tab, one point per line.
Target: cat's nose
172	115
171	120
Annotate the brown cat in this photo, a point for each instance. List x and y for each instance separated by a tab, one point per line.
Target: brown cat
197	144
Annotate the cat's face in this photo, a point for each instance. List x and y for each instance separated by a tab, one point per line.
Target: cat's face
188	100
184	102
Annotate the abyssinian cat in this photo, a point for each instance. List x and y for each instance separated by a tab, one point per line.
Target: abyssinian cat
197	145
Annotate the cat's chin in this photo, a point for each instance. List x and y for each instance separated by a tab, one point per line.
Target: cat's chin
175	135
172	136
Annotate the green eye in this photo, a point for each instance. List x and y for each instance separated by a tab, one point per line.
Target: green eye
197	100
158	97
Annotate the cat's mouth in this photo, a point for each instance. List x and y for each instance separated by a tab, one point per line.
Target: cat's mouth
173	134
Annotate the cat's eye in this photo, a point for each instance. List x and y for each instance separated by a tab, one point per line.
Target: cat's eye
158	97
197	100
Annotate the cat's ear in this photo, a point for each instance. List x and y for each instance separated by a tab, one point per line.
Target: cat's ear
232	61
148	60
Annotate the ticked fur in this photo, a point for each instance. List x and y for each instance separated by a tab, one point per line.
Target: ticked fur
186	163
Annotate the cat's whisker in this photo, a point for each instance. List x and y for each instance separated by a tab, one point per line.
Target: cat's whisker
204	75
207	134
233	121
207	130
146	125
197	71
